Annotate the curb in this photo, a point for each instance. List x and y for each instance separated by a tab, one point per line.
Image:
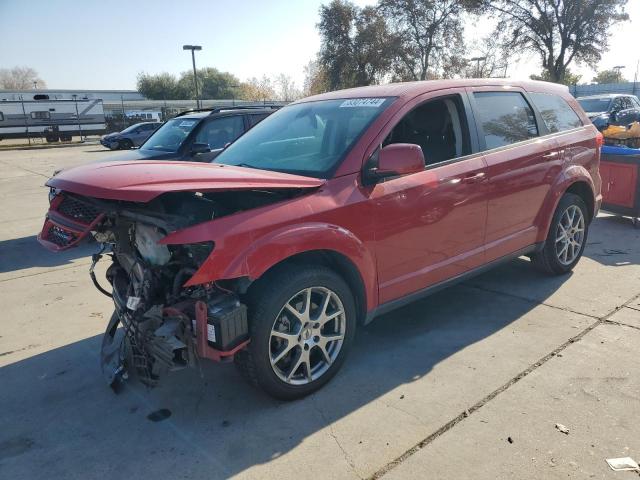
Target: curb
43	147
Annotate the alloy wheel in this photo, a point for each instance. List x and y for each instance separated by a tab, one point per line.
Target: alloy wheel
307	335
570	235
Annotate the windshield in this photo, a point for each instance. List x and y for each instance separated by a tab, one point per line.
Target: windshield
170	136
594	104
308	139
131	128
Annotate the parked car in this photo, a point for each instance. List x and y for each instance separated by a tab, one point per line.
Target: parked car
198	135
612	109
332	211
130	137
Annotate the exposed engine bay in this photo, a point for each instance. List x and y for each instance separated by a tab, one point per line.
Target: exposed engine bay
158	325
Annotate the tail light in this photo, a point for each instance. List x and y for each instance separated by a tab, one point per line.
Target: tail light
599	139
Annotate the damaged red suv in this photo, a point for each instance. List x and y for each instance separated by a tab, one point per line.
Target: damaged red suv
333	210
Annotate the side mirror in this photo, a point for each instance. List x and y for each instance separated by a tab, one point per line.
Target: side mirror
198	148
400	159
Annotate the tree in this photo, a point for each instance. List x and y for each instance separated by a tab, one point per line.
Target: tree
373	47
315	79
559	31
257	89
161	86
609	76
212	84
286	88
336	50
570	78
356	45
20	78
492	59
428	34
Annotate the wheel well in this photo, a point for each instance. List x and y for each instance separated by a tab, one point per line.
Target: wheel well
338	263
583	190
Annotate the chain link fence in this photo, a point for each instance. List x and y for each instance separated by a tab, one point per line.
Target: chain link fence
629	88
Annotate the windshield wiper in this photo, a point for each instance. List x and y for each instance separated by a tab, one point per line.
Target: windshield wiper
246	165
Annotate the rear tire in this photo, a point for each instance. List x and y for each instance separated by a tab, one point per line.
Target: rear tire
566	239
302	320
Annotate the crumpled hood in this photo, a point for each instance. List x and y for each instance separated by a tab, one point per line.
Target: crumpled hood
142	181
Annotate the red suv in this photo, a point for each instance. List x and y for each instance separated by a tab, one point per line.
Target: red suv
333	210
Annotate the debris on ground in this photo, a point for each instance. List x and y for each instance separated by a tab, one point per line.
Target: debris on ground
623	464
509	439
562	428
159	415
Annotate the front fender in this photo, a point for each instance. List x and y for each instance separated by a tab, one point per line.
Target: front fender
241	251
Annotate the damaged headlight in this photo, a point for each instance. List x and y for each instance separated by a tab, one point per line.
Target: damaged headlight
147	238
53	192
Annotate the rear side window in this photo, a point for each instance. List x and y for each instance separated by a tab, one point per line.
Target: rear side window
257	118
556	113
1	116
505	117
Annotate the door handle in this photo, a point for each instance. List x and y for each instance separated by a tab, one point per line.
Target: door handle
551	155
478	177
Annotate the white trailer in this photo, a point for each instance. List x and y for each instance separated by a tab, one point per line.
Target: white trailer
53	119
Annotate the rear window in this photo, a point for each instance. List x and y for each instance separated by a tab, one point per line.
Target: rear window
556	112
593	105
505	117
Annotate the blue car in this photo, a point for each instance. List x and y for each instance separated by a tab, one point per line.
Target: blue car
130	137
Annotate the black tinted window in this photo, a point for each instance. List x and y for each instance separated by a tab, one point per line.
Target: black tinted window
217	133
257	118
438	127
505	117
556	112
1	116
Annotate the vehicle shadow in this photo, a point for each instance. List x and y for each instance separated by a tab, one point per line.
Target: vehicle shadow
59	417
613	241
22	253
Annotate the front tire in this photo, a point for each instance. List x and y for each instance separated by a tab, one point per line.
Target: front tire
125	144
567	237
302	323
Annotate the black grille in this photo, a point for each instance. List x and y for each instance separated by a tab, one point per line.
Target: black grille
77	210
60	237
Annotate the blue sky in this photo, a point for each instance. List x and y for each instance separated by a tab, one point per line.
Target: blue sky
104	44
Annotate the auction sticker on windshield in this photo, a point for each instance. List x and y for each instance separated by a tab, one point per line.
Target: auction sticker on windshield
362	102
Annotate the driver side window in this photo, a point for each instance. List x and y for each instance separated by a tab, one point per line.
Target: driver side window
218	132
438	126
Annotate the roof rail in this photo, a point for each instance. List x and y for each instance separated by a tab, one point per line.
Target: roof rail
215	110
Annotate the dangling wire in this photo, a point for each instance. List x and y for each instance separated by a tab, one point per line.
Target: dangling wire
95	259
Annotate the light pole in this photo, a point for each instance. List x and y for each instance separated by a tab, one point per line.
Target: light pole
477	60
193	49
617	68
233	94
26	121
75	99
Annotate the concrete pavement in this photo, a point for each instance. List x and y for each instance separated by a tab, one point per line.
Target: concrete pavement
430	391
